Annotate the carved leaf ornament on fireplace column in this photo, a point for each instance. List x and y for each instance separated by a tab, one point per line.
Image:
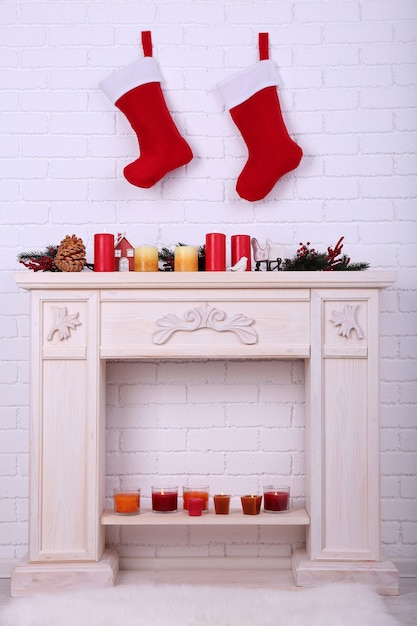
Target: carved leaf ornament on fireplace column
63	323
205	316
346	319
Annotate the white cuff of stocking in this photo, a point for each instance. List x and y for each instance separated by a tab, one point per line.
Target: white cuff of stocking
144	71
245	84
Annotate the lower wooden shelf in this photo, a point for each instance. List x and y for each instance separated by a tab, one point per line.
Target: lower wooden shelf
295	517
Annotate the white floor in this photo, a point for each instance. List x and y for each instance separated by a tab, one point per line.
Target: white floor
404	606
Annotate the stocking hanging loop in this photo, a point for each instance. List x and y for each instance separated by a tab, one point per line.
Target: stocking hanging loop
147	43
263	42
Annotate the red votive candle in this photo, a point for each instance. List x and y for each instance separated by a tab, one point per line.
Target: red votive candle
164	499
241	246
276	499
104	252
195	506
215	252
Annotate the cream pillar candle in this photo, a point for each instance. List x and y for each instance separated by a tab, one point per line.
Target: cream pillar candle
146	259
186	259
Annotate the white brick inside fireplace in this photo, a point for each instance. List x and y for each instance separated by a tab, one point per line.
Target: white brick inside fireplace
329	321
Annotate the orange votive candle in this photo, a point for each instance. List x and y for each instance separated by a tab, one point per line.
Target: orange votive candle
126	502
251	505
221	504
195	492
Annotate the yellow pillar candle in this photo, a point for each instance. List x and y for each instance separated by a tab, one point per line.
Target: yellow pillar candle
186	259
146	259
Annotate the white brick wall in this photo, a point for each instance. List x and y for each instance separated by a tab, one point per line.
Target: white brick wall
348	88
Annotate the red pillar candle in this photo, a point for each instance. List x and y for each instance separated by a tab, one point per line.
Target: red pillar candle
276	499
241	246
103	252
251	505
164	500
195	506
215	252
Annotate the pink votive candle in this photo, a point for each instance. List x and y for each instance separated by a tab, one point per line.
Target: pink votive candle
195	506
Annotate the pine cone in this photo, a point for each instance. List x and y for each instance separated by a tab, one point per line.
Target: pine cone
70	256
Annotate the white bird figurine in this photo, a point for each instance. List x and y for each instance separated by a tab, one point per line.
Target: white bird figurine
240	266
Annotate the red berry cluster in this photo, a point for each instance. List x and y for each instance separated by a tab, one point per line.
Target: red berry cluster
304	252
42	264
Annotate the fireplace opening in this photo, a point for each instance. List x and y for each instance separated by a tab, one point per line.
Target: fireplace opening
232	424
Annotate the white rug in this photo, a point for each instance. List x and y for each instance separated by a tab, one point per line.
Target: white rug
341	604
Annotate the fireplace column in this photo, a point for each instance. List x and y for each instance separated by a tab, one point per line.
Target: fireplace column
67	446
342	431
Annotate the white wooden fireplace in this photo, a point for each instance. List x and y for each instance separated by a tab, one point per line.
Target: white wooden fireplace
79	321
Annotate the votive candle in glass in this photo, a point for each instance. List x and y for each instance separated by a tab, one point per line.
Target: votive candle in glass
251	505
276	499
186	259
195	506
164	499
221	504
215	252
103	252
126	502
196	492
146	259
241	246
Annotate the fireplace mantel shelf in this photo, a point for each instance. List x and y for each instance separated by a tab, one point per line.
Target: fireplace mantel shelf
79	321
201	280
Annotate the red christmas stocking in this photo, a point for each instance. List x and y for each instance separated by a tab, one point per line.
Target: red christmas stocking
136	91
252	99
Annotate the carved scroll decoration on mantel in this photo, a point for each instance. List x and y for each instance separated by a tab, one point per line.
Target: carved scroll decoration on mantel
205	316
346	319
64	323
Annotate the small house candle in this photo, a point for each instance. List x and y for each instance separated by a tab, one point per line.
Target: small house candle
215	252
221	504
241	246
186	259
146	259
276	499
126	502
103	252
251	505
164	499
196	492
